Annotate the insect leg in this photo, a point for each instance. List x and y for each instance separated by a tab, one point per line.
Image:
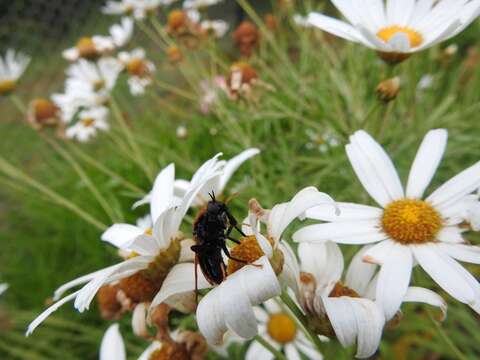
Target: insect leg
233	224
196	279
234	240
225	249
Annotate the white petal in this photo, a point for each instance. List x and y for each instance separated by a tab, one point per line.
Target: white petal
356	319
377	254
324	261
258	352
400	42
120	235
450	234
139	320
291	352
229	306
418	294
347	212
393	279
178	287
186	253
113	347
334	26
359	273
162	191
302	201
457	187
465	253
356	232
399	12
450	275
34	324
291	270
426	162
233	164
309	351
3	288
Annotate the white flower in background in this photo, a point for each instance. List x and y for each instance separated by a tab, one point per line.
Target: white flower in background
229	306
322	142
426	82
139	69
227	169
88	123
408	230
79	94
122	7
12	67
211	92
122	33
157	253
100	75
199	4
113	346
181	132
347	309
3	288
280	330
216	27
397	28
89	48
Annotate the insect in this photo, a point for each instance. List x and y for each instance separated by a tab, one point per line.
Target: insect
211	229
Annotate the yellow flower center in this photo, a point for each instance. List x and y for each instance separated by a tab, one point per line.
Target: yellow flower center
170	352
281	328
149	231
87	122
137	67
248	250
86	48
7	86
411	221
414	36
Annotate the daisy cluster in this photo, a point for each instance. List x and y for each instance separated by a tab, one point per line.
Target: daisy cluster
281	279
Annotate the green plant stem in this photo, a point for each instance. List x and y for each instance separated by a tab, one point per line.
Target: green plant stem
277	354
18	104
130	139
455	350
297	312
14	173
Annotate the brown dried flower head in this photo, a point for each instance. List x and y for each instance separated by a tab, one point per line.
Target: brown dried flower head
247	37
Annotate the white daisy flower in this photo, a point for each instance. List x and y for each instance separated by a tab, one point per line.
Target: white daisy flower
3	288
157	253
139	69
227	168
89	48
347	310
113	346
122	7
397	28
12	66
322	142
280	330
408	230
89	122
199	4
216	27
100	75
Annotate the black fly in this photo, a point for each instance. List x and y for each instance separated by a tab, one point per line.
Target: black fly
211	229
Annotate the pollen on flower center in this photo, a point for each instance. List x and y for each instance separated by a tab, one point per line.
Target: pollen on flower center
281	328
248	250
341	290
137	67
411	221
170	352
87	122
149	231
86	48
414	36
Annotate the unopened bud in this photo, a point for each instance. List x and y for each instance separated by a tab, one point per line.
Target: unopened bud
388	89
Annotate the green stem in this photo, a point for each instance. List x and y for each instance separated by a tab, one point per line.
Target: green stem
18	104
11	171
277	354
297	312
455	350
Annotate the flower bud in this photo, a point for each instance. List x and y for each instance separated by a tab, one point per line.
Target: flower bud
388	89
